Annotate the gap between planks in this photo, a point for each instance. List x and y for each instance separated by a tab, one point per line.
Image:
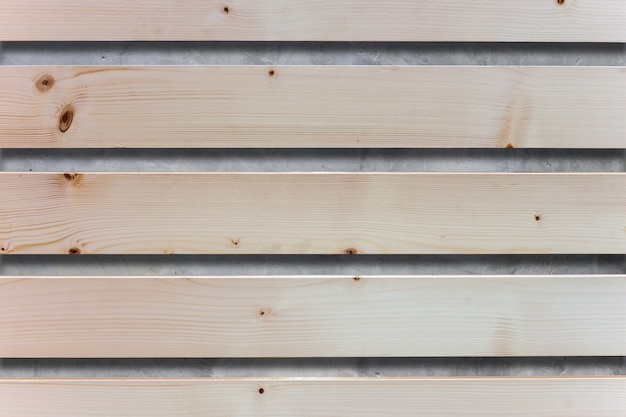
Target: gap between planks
313	316
312	107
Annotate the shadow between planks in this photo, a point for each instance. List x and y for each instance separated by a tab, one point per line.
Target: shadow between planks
248	397
312	316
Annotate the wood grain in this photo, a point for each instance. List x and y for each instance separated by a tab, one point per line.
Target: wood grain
312	316
313	107
314	397
325	20
312	213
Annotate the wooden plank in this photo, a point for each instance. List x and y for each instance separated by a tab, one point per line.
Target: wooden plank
326	20
312	213
313	107
314	397
313	316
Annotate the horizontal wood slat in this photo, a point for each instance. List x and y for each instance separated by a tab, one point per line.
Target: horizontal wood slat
312	213
324	20
313	316
313	107
314	397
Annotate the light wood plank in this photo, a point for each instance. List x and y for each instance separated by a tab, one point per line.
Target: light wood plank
313	107
312	213
313	316
324	20
314	397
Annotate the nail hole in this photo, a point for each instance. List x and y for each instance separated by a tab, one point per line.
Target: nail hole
271	73
357	278
261	390
66	118
226	9
3	249
74	251
560	2
537	217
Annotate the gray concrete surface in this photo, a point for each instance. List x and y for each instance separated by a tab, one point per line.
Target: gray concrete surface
195	53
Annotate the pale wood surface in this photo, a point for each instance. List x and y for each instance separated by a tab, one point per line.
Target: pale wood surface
315	397
323	20
312	213
313	106
313	316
